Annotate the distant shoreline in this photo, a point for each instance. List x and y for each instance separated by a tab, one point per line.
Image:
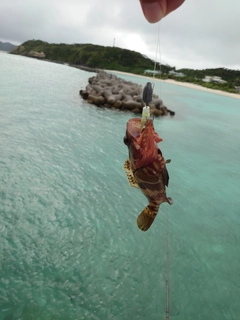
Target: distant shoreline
183	84
170	81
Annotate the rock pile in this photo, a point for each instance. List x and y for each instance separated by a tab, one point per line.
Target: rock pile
108	91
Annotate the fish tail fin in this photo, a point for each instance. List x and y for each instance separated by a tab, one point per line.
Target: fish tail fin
146	218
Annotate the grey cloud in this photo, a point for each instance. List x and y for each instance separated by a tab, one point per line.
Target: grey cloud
199	34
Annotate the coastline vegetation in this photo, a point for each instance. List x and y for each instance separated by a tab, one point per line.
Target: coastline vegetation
114	58
229	86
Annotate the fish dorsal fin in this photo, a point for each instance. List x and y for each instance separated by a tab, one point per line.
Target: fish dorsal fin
130	176
144	175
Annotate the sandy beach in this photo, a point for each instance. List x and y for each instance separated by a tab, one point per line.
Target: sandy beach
183	84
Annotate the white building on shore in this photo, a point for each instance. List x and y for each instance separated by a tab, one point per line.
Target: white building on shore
238	89
213	79
176	74
152	72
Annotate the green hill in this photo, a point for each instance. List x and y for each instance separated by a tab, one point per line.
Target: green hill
89	55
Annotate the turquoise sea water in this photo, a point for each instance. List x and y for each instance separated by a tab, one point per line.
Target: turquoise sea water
69	244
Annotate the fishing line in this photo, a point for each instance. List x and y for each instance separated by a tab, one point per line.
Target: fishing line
147	97
167	269
158	55
148	89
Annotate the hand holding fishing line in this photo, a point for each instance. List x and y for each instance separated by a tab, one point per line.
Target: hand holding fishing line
155	10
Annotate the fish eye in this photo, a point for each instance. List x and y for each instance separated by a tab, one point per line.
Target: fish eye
126	140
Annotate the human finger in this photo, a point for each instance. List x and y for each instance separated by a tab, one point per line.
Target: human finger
155	10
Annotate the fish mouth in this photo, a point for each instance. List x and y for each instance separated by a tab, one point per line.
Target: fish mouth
135	131
134	127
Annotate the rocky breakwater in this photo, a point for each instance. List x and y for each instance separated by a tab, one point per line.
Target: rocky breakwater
108	91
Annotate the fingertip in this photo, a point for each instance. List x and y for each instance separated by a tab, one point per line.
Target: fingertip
152	11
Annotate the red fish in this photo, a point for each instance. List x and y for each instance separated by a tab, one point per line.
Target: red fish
146	168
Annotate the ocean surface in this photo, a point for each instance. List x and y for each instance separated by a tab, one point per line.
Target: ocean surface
69	244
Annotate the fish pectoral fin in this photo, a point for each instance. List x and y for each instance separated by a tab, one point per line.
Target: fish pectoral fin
165	176
170	200
129	173
145	219
168	161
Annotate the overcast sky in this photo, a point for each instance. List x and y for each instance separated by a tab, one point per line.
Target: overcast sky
200	34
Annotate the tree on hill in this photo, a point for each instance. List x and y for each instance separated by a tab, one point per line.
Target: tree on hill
89	55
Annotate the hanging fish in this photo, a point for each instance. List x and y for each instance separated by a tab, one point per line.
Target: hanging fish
146	168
